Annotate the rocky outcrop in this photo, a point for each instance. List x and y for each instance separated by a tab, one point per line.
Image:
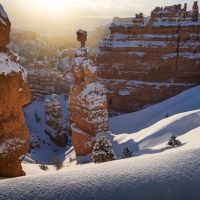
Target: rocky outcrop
14	93
43	81
142	64
87	102
56	125
5	29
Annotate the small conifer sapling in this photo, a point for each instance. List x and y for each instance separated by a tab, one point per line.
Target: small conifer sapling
127	153
173	141
37	119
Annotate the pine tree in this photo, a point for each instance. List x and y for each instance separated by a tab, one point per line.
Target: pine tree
173	141
127	153
37	119
102	152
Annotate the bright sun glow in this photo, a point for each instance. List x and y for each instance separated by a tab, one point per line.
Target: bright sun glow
51	4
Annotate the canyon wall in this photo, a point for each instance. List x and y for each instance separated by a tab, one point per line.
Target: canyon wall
14	93
144	63
43	81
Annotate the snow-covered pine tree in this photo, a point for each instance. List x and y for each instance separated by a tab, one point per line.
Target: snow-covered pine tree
173	141
127	153
102	152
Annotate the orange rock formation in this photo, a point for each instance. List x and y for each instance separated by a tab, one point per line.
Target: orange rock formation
87	101
142	64
56	125
14	93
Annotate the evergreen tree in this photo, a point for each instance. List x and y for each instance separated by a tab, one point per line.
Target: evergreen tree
102	152
166	115
127	153
173	141
37	119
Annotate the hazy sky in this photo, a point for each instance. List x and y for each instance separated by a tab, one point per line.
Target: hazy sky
68	10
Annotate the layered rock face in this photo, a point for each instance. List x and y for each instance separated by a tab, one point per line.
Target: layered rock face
56	125
142	64
87	102
43	81
14	93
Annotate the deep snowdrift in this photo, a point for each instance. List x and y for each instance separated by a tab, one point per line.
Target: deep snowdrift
173	174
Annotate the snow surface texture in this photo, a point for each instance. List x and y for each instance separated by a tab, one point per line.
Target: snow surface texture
155	171
171	175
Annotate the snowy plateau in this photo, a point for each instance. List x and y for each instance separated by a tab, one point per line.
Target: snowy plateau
155	171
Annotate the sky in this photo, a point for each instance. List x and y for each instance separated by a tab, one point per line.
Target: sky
60	11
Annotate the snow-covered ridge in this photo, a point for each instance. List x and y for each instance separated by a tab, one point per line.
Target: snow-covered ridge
3	15
2	12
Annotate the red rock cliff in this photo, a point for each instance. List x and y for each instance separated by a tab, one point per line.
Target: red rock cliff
14	93
142	64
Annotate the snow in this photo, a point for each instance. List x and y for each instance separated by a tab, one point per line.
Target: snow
125	25
7	66
124	92
155	171
80	31
129	123
170	55
2	21
134	44
174	174
48	149
3	13
7	145
190	55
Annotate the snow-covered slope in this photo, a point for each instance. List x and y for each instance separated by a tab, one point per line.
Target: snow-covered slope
155	171
173	174
129	123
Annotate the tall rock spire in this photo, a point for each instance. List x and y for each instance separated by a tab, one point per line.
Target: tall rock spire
87	102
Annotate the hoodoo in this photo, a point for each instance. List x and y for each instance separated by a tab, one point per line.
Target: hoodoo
144	63
87	102
14	93
56	125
